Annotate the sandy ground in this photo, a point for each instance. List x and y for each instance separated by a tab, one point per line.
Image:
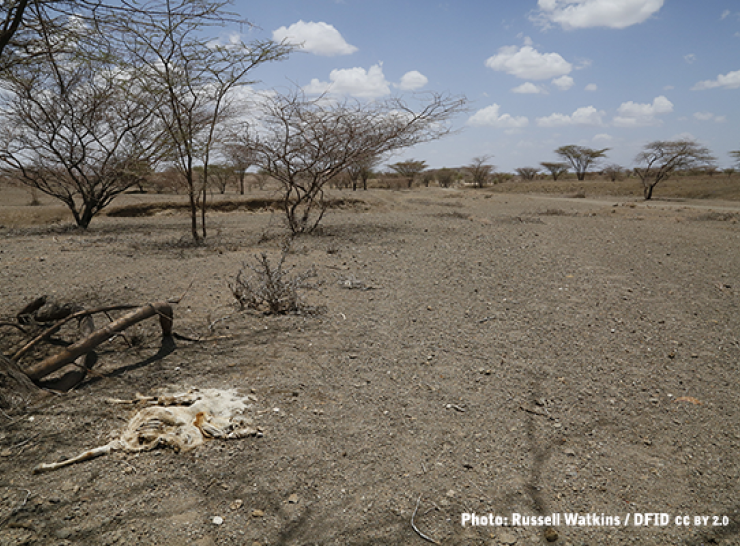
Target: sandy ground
472	353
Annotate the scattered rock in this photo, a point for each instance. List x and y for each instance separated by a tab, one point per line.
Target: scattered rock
551	535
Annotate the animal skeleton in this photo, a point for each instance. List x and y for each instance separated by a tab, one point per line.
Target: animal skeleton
180	421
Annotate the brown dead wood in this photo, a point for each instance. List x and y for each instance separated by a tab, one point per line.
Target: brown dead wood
87	344
57	325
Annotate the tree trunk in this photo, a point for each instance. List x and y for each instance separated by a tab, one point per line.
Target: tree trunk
648	191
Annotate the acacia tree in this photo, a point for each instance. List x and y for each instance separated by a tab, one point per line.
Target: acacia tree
736	156
193	76
660	159
446	177
580	158
555	169
361	171
304	143
527	173
72	126
480	171
409	170
239	154
614	172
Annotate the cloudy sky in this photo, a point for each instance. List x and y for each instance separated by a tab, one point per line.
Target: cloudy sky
539	74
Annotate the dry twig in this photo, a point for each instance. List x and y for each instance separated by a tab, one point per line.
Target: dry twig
415	528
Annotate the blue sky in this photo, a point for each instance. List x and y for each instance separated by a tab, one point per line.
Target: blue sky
538	74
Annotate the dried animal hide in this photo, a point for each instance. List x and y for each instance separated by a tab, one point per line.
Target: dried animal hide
181	422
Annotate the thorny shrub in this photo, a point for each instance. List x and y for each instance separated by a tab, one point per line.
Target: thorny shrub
270	289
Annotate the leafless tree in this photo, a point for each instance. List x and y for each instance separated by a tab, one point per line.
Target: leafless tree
660	159
362	171
305	143
193	75
614	172
73	127
555	169
580	158
25	23
527	173
239	154
480	171
409	170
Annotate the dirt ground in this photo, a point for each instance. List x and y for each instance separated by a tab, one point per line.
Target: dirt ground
472	353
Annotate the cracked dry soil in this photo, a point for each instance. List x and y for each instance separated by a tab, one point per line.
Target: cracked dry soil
477	353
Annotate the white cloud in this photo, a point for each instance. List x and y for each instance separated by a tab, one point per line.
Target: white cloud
572	14
563	83
319	38
528	63
703	116
603	137
731	80
708	116
491	117
530	88
725	14
411	81
633	114
591	87
690	58
357	82
586	115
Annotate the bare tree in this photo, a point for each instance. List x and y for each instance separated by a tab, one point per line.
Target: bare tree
555	169
25	23
305	143
239	154
409	170
362	171
527	173
73	127
480	171
614	172
580	158
193	76
660	159
220	175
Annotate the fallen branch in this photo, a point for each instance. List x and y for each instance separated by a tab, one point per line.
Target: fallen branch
56	326
12	324
84	346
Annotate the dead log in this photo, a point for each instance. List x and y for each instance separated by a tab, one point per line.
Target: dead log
83	363
20	353
84	346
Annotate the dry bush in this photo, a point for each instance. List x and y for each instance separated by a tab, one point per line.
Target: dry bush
271	289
